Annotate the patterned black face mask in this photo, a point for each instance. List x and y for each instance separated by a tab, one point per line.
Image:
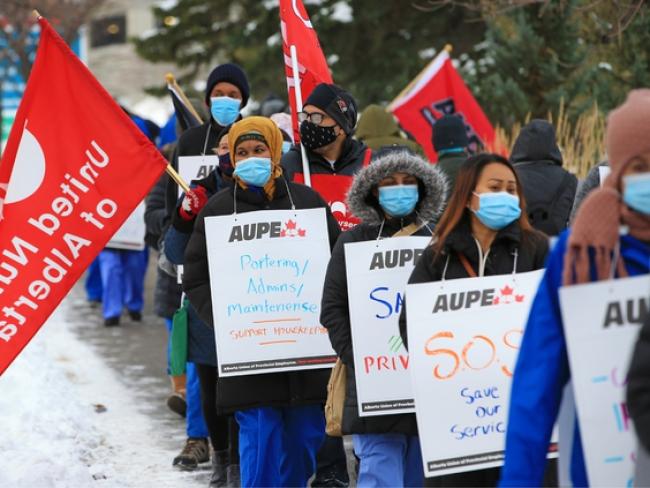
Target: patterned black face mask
314	136
225	165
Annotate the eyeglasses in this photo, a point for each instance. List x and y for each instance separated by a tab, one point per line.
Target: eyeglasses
314	117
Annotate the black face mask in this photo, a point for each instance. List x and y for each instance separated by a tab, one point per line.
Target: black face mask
225	165
314	136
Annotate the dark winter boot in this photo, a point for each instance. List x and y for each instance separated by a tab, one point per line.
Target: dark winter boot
196	451
177	404
112	321
220	461
233	476
135	315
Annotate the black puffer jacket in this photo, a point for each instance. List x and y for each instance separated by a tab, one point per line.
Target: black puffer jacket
259	390
530	249
335	312
638	387
549	189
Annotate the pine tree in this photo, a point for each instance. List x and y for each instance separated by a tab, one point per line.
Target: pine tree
536	56
532	59
373	54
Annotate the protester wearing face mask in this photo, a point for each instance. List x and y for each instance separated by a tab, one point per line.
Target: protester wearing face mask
327	123
276	409
399	194
483	232
201	351
590	250
226	94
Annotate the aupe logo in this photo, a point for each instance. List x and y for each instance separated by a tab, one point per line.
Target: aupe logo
266	230
477	298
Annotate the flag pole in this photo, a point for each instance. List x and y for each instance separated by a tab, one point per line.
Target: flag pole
298	92
172	81
173	174
448	48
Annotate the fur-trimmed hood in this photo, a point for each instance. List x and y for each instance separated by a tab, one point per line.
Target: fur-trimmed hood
431	182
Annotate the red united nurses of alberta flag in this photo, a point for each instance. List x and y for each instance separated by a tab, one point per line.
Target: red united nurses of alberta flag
74	168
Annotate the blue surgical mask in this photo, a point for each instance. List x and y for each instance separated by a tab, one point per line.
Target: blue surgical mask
497	210
286	145
254	171
224	110
398	200
636	194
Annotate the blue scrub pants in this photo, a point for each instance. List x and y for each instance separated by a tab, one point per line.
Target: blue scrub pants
388	460
278	446
194	421
122	273
94	282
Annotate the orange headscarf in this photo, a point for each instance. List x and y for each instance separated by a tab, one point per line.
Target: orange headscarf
273	138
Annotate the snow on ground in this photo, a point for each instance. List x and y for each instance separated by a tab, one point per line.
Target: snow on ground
52	430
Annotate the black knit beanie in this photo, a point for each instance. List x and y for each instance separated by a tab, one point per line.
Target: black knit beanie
449	133
337	103
231	73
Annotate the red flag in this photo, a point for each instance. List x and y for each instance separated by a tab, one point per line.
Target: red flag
76	166
297	31
439	91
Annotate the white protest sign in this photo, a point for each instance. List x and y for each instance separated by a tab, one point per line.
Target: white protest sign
131	235
377	273
600	338
463	340
267	270
196	167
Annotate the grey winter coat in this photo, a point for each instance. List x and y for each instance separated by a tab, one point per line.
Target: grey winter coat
335	314
590	183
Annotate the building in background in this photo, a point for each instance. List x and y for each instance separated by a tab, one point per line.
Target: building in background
114	61
103	45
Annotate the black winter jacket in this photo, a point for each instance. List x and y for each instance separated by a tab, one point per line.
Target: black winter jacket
335	311
349	163
638	386
530	249
167	292
258	390
548	188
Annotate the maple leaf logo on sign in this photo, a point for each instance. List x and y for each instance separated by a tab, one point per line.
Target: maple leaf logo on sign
291	229
507	296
